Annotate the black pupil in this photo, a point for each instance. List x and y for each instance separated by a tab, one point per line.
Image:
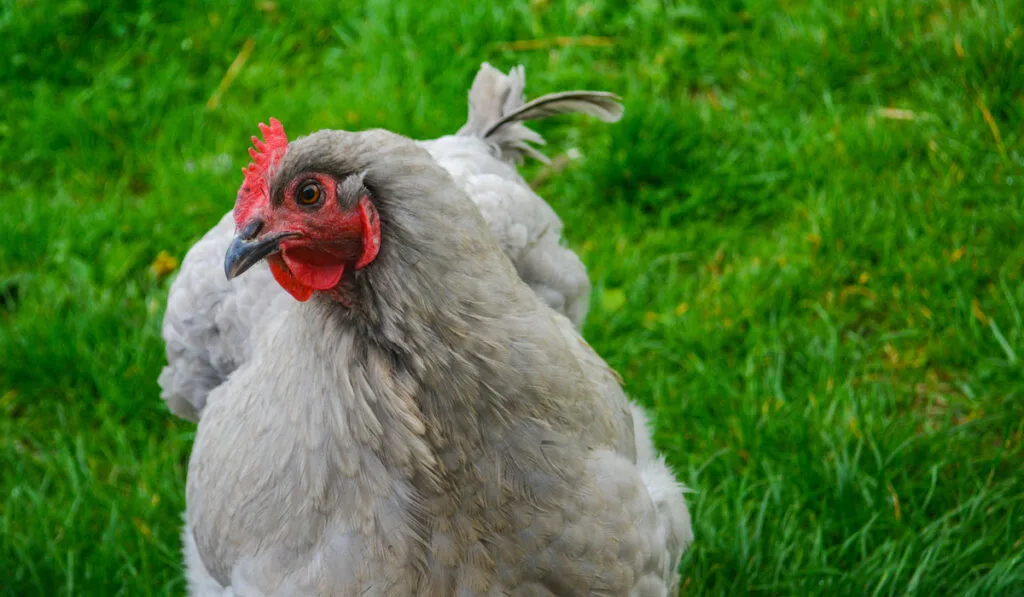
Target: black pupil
309	193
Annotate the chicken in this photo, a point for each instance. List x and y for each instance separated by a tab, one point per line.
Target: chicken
208	321
418	421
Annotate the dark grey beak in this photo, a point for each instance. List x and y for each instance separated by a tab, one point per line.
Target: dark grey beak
246	250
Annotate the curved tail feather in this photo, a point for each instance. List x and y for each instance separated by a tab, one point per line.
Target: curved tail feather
497	111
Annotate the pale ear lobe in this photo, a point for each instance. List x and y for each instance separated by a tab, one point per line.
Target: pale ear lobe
351	190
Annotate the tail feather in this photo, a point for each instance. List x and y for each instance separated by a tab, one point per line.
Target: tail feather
600	104
497	111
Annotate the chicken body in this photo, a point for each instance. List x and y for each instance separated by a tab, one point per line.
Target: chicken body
209	321
428	426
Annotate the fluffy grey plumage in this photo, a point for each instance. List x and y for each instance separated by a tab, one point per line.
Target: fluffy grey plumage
208	321
441	431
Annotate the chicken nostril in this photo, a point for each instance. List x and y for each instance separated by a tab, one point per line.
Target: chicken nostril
251	230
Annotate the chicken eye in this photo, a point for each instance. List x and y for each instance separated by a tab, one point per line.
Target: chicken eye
308	194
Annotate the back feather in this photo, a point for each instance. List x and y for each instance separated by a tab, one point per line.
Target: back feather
497	111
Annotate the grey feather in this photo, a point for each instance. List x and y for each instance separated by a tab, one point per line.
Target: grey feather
599	104
497	111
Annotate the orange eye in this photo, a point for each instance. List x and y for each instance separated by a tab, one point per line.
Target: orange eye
308	194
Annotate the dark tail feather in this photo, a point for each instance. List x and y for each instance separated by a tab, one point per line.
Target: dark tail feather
497	111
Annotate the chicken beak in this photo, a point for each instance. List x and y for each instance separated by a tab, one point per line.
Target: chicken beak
246	250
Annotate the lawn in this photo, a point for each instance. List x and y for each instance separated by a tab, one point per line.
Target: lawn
804	237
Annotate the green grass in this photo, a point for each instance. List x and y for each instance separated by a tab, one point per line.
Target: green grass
805	241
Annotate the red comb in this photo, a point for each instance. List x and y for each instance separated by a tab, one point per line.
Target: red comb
266	155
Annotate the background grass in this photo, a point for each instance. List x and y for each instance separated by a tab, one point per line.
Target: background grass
805	240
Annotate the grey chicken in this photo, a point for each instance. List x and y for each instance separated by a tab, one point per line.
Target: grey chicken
208	321
418	421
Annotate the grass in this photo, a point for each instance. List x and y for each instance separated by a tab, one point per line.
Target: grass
805	242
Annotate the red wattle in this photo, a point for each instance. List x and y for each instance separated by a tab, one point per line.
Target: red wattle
292	286
316	269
